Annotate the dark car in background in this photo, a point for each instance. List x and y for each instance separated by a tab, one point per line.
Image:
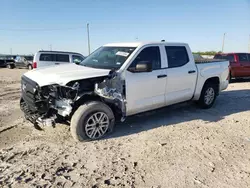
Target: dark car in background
24	62
239	64
2	61
6	60
20	61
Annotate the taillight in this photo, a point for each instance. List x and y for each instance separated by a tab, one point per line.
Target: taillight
34	65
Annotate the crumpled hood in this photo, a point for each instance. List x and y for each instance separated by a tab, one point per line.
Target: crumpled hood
62	74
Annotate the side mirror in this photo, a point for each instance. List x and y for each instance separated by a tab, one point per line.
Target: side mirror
142	66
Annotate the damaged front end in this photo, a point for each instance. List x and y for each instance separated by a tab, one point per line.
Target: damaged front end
43	105
112	90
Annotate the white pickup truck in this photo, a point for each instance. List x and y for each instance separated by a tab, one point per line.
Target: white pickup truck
119	80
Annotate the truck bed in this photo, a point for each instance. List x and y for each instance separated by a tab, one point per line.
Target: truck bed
201	61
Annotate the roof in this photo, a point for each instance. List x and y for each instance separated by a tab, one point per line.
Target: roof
136	44
48	51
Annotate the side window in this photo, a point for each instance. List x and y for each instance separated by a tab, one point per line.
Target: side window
177	56
242	57
77	59
248	57
150	54
46	57
230	58
62	58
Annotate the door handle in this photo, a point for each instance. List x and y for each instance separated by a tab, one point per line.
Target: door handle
162	76
57	63
191	71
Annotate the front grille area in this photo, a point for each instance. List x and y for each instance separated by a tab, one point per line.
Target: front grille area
29	92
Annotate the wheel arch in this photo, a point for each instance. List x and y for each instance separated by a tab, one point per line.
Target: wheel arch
213	80
92	97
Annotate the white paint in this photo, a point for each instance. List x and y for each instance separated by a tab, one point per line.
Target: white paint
63	74
144	91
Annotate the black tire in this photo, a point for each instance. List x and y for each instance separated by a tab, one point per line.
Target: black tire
9	66
202	101
230	77
30	67
83	114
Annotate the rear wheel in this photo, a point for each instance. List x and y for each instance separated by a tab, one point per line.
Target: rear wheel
208	95
230	77
92	121
30	67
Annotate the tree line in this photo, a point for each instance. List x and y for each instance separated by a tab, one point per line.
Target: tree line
207	52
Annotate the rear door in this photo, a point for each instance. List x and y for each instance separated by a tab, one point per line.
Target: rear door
244	65
181	74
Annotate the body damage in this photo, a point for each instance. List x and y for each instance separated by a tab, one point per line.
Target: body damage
53	100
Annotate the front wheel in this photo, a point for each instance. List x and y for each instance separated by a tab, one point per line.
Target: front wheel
208	95
9	66
92	121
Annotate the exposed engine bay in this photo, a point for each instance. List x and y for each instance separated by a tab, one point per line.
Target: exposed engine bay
43	105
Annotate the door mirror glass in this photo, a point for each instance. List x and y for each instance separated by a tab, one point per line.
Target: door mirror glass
142	66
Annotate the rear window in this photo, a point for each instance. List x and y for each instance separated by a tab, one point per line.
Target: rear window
242	57
29	58
229	57
54	57
177	56
62	58
46	57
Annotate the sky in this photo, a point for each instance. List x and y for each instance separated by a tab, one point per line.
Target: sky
27	26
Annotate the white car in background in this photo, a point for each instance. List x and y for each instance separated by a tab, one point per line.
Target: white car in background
49	58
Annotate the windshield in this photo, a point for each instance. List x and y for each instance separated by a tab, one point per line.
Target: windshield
108	57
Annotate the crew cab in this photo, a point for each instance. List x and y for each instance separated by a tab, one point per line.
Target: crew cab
119	80
239	64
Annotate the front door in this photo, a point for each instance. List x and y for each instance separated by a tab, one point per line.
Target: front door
62	59
146	90
182	75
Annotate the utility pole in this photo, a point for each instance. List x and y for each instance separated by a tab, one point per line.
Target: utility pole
88	37
223	42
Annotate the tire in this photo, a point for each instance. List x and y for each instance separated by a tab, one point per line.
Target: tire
85	117
30	67
9	66
230	77
209	89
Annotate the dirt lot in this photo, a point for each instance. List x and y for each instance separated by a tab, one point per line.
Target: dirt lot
179	146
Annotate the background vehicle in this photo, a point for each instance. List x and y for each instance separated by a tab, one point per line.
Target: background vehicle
239	64
2	61
49	58
197	57
119	80
7	61
23	62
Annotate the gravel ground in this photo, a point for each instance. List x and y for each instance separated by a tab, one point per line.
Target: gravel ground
178	146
